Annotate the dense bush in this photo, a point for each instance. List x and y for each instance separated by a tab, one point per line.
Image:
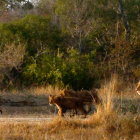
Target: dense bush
74	71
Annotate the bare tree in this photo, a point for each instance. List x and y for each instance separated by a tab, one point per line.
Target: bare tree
77	19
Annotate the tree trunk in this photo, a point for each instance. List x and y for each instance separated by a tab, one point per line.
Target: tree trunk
124	19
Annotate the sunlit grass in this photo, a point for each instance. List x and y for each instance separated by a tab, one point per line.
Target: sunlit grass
105	127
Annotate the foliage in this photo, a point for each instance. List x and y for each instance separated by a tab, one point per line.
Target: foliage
74	71
34	31
75	43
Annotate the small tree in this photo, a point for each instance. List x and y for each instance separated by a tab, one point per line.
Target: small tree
11	56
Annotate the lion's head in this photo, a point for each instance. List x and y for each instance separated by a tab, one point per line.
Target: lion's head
53	99
138	88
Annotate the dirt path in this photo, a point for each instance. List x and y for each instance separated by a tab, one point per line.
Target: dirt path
25	119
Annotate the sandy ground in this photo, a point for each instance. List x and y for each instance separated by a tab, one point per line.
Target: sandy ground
25	119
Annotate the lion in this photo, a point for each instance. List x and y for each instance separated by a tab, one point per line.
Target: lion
67	103
90	98
138	88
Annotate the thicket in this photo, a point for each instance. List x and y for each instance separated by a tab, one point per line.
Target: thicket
77	46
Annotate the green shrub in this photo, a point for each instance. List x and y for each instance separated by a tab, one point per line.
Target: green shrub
35	31
75	71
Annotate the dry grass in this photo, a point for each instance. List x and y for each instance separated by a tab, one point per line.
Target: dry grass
44	90
37	90
106	124
107	127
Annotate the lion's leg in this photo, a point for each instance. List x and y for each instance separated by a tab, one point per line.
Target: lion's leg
87	107
74	112
60	112
83	111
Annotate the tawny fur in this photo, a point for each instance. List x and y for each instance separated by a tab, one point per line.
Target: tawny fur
67	103
138	88
90	96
